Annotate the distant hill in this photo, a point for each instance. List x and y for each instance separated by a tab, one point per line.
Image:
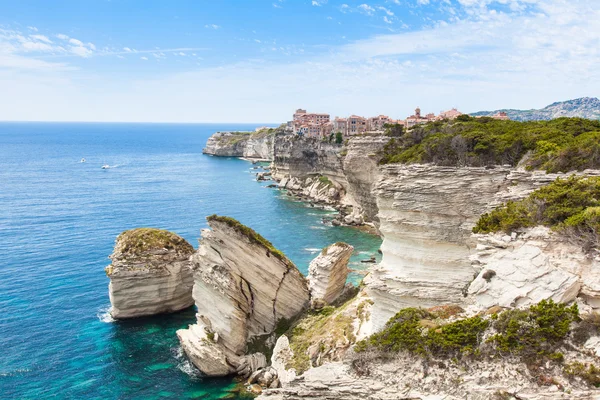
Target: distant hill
585	107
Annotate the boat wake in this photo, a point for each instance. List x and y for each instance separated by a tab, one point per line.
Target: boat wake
104	315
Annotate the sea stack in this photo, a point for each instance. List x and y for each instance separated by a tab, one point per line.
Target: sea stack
149	274
244	289
328	272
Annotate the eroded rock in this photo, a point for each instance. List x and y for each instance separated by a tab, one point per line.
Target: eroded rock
149	274
328	272
243	288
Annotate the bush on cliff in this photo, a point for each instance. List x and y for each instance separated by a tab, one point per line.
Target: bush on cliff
561	144
571	206
534	334
415	330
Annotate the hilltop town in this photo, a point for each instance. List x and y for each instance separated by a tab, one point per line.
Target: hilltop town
320	124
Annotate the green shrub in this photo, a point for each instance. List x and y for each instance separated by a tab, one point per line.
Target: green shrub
408	331
536	331
570	206
562	144
590	374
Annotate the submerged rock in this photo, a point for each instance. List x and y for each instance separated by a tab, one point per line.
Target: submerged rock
328	272
244	288
149	274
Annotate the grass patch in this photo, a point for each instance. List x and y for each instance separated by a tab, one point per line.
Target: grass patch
570	206
252	235
562	144
140	241
588	373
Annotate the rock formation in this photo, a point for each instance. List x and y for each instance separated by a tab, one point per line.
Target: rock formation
241	144
426	214
149	274
585	107
328	272
243	289
520	270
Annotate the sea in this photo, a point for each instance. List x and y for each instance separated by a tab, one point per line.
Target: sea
59	218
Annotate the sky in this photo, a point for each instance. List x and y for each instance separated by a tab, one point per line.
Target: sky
258	61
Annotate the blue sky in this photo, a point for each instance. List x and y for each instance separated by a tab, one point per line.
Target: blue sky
257	61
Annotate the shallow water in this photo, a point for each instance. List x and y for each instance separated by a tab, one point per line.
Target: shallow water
58	222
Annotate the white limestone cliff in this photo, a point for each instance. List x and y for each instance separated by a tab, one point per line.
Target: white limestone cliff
241	144
426	216
520	270
243	289
328	272
149	274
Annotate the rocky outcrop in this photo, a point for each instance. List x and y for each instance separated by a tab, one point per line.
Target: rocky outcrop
328	272
410	378
520	270
243	288
331	174
361	169
149	274
241	144
426	215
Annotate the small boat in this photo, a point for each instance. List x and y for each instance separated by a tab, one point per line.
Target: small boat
105	166
82	160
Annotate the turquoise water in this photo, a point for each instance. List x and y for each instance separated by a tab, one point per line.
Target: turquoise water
58	222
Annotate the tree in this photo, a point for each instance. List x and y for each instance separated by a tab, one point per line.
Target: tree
394	130
339	138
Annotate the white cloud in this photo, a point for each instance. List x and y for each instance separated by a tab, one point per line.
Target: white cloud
32	28
144	58
344	8
386	20
181	53
484	60
41	38
385	10
127	49
62	36
212	26
76	42
366	9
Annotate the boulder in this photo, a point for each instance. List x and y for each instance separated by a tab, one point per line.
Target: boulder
149	274
244	288
328	272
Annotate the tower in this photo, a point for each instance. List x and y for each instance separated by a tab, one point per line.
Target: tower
418	112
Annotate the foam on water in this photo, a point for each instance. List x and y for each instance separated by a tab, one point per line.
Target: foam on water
103	315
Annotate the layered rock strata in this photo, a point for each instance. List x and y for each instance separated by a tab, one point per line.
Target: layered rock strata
243	289
241	144
426	215
328	272
149	274
522	269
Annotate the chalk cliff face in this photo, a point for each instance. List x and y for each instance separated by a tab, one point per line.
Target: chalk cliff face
243	288
149	274
426	214
241	144
521	270
328	272
362	172
350	171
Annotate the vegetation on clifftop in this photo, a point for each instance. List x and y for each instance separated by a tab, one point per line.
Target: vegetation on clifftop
252	235
562	144
570	206
535	335
140	241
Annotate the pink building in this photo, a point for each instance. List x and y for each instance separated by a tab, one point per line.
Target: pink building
450	114
501	115
377	123
356	125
